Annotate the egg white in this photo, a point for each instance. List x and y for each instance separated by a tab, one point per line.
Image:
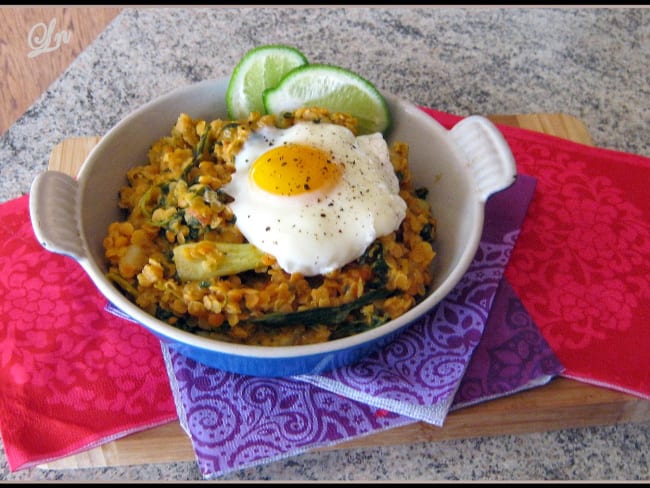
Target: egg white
318	232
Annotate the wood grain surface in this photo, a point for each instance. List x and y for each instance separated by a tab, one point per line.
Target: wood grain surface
36	45
560	404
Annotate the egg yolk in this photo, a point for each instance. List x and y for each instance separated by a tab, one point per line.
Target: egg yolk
293	169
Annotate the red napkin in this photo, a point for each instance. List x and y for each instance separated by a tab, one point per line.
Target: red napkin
72	375
581	265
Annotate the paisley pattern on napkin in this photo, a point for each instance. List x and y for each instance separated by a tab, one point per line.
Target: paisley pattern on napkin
71	375
418	374
237	421
512	355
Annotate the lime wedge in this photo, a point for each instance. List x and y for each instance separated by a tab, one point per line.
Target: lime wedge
334	88
260	68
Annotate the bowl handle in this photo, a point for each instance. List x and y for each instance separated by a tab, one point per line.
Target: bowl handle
488	154
52	209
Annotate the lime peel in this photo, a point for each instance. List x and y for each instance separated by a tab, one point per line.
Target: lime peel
334	88
260	68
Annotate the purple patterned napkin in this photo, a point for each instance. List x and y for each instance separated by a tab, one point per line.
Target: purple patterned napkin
512	355
237	421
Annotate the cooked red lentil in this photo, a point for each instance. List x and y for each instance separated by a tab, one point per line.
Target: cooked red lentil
175	214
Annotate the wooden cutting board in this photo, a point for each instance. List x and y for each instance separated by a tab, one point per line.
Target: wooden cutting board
560	404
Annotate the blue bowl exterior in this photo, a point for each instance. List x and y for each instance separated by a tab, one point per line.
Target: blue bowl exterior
266	366
283	366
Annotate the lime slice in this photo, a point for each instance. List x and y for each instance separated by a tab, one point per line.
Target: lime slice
334	88
260	68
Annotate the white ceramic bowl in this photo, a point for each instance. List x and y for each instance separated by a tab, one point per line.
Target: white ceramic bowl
461	168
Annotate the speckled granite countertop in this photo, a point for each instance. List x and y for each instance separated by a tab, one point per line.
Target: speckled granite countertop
591	63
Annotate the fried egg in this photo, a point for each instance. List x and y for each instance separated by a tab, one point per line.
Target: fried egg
314	195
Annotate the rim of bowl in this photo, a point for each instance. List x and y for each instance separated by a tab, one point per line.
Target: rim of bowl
164	329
